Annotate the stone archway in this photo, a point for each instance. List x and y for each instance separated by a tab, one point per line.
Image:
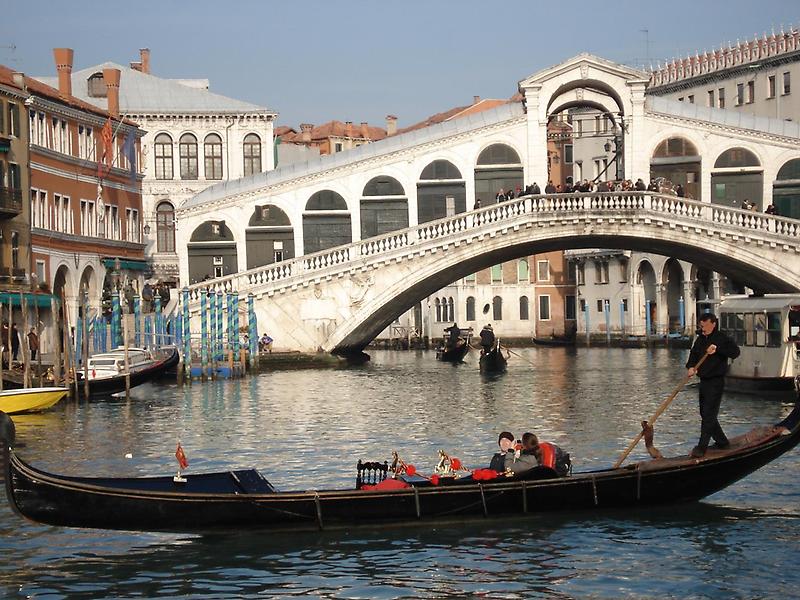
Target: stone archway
384	207
676	161
648	295
441	191
786	190
212	252
672	280
737	177
326	222
269	236
498	167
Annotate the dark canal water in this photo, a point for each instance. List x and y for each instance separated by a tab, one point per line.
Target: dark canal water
306	429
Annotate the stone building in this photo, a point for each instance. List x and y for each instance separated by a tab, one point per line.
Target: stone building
194	138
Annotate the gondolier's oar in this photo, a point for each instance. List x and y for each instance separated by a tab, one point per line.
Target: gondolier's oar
657	414
510	351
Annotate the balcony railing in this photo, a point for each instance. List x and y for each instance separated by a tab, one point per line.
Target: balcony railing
10	201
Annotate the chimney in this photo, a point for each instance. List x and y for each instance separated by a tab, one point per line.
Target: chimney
19	80
364	130
63	57
111	79
144	58
305	129
391	125
348	129
476	99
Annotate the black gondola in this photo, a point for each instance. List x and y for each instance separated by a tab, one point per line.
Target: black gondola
554	341
455	354
493	361
245	500
107	386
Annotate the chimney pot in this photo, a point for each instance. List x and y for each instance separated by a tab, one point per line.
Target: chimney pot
391	125
305	129
348	128
476	99
63	58
365	130
144	58
19	80
111	79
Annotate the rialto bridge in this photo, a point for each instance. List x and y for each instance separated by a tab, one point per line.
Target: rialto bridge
336	248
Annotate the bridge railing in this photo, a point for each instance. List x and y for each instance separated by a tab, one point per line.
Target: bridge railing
553	206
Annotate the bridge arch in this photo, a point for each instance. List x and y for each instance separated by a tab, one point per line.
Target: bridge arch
211	251
384	206
595	85
677	159
269	237
441	191
498	165
738	175
786	189
326	221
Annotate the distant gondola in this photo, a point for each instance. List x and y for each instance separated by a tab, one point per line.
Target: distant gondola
493	361
244	500
456	351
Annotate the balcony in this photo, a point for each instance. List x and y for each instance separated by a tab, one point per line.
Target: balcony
10	202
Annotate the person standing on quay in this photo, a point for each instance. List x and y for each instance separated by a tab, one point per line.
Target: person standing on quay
719	348
33	342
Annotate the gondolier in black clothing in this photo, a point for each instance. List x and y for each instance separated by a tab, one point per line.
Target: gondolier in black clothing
487	338
453	334
719	348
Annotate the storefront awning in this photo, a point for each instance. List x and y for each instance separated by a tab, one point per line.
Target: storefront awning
126	263
40	300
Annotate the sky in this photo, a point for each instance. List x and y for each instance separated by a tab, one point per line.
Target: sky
356	60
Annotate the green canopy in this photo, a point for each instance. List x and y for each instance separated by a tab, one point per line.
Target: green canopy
127	263
41	300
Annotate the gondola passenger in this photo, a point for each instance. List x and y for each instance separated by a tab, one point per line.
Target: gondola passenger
551	456
527	456
506	443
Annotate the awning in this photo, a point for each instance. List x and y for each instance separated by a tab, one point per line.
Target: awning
40	300
127	263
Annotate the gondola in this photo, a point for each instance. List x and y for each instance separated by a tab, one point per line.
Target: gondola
453	355
493	361
245	500
106	386
554	341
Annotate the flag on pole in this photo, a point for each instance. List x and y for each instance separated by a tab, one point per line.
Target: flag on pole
129	151
107	137
181	456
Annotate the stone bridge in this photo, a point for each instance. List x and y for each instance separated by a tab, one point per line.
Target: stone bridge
340	299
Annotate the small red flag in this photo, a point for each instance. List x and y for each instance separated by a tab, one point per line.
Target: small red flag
181	456
107	153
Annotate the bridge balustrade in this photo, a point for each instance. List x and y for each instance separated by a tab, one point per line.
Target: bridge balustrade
541	207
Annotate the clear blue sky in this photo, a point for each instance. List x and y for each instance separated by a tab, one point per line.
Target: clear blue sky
314	61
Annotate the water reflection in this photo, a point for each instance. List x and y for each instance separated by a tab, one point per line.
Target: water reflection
308	428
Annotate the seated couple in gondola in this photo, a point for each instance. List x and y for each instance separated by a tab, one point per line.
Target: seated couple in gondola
518	457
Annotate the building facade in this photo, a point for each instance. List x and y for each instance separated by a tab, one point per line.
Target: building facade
194	138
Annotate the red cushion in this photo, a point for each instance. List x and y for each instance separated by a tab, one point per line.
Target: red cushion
387	484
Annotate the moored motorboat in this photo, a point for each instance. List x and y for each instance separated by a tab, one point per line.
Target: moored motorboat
493	361
30	399
107	372
245	500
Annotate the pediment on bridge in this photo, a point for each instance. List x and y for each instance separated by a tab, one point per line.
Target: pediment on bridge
585	66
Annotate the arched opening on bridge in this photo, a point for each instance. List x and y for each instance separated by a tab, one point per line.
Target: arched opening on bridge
737	176
646	281
672	279
269	237
326	222
384	207
786	190
498	167
212	252
676	161
441	191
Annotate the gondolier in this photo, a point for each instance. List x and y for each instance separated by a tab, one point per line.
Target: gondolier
719	348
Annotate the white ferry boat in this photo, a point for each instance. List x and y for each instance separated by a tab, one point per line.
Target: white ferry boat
767	330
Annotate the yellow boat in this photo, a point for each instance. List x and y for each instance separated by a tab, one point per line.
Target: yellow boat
30	399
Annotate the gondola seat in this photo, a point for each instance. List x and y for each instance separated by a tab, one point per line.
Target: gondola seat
370	473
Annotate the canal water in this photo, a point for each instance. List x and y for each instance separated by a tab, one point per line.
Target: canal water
307	429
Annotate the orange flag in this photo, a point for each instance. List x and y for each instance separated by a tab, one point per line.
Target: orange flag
181	456
107	137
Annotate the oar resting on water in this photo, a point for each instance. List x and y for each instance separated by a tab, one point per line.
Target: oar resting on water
647	426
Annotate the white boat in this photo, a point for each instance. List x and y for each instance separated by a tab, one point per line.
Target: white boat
767	330
112	364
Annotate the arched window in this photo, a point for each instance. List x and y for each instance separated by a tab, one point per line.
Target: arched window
440	169
383	186
326	200
329	229
165	227
786	190
790	170
674	147
252	154
497	308
523	308
187	150
737	157
523	270
212	151
438	311
163	155
470	308
451	309
384	207
499	154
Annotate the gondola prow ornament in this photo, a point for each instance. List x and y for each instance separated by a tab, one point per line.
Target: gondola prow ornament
183	464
